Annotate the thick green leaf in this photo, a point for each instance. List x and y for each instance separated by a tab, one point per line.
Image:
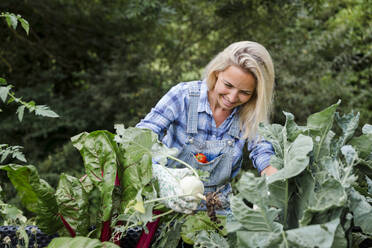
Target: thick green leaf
210	239
292	129
348	124
255	190
296	159
261	219
303	197
362	211
36	195
72	203
170	235
11	215
65	242
248	239
319	125
369	183
100	154
363	144
273	134
330	194
367	129
339	240
141	147
321	235
194	224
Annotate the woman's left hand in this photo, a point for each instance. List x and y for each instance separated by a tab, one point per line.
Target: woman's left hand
269	170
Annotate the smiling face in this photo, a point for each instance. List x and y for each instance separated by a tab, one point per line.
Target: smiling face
233	87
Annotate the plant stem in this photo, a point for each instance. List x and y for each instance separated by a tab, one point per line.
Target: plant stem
164	198
285	240
186	164
161	215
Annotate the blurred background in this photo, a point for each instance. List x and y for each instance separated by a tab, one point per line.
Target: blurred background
97	63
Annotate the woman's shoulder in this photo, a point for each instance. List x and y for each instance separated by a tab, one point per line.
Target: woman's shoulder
188	85
184	88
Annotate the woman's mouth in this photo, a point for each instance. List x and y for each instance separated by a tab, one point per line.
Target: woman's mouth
227	103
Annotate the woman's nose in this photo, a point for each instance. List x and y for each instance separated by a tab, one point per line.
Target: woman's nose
233	96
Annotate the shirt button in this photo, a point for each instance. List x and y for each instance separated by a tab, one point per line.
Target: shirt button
191	140
229	143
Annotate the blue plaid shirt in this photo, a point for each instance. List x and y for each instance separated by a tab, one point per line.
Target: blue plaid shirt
172	109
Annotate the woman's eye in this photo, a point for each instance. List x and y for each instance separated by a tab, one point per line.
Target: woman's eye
246	93
228	85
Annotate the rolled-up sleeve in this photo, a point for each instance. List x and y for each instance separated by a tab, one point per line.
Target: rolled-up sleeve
260	154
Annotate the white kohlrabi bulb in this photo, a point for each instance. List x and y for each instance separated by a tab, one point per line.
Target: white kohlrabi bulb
191	185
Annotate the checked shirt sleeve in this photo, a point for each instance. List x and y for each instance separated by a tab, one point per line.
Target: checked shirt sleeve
260	154
165	112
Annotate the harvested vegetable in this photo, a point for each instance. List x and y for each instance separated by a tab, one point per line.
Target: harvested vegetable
191	185
201	158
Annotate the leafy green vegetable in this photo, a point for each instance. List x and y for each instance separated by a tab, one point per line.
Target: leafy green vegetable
65	242
311	199
101	159
36	195
72	203
194	224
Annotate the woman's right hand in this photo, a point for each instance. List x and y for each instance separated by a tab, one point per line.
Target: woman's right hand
169	185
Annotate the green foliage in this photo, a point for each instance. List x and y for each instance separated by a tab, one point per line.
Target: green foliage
311	199
12	21
80	242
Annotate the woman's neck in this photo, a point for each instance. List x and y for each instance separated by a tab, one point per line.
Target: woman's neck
219	114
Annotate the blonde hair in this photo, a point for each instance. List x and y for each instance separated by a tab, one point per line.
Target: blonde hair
253	58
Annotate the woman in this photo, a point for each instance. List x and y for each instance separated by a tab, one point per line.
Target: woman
216	117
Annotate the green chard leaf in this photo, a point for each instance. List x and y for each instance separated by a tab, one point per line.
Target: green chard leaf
141	147
85	242
36	195
101	160
73	203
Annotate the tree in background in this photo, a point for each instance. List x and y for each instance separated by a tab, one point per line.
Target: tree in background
97	63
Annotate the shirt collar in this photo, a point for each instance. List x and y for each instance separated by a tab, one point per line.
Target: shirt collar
204	106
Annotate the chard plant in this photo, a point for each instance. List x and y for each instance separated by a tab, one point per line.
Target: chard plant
119	181
311	201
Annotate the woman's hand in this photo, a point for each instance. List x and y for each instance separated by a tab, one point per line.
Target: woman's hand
169	188
269	170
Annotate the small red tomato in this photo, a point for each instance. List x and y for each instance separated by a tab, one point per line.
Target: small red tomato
201	158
